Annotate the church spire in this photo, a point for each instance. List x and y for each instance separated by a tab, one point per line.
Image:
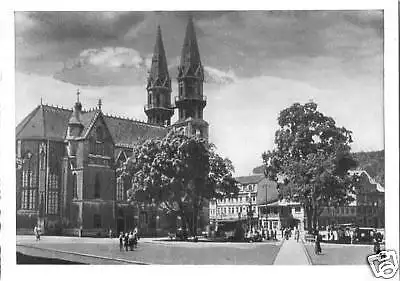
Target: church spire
158	108
158	75
190	64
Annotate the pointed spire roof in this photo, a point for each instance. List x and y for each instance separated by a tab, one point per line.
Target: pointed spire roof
77	111
159	67
190	55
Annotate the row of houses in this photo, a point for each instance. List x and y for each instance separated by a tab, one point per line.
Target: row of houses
258	202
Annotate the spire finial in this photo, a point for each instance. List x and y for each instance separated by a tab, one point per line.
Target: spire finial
77	95
99	104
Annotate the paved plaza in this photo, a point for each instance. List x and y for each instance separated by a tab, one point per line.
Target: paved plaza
340	254
163	252
150	251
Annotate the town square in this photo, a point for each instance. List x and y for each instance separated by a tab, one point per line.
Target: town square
200	138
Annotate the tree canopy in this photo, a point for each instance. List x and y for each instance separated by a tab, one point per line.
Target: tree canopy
311	160
178	173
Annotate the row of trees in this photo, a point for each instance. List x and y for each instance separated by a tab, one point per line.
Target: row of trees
310	162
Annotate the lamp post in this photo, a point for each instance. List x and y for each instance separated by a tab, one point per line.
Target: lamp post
250	212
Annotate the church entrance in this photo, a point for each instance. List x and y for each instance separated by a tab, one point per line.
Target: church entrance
120	222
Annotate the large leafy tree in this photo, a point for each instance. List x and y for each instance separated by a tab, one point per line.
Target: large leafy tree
179	174
311	160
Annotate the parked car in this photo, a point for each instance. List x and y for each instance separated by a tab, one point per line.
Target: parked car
363	235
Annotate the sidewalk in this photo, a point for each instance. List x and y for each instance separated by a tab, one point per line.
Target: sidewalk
292	253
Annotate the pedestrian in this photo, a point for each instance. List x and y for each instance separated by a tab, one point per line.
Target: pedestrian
35	232
121	241
130	239
317	249
126	241
38	230
110	233
275	231
135	237
377	240
282	232
297	234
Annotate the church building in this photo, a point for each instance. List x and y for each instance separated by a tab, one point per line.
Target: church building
67	159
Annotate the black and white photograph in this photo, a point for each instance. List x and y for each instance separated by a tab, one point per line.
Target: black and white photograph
203	137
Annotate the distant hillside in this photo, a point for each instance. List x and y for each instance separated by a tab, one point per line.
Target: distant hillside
373	162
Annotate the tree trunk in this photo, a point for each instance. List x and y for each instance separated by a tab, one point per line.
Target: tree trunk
309	218
314	218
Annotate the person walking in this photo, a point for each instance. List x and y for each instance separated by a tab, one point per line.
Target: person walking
35	232
126	241
121	241
377	240
130	239
297	234
135	237
318	249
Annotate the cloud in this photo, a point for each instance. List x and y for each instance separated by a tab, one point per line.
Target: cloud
104	67
216	76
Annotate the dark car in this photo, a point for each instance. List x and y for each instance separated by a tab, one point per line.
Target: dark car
364	235
182	234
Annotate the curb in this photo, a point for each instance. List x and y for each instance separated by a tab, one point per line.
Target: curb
306	252
85	255
280	246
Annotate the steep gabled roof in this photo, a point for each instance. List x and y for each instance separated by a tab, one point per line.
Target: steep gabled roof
379	187
49	122
44	122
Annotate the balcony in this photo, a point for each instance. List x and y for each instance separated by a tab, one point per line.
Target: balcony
203	99
152	106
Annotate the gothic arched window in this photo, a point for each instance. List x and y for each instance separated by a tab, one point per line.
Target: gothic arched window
97	186
120	189
74	186
99	134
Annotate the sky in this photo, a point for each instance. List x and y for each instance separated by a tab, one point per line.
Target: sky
256	63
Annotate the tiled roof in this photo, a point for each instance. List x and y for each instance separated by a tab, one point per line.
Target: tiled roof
267	191
127	132
44	122
250	179
50	122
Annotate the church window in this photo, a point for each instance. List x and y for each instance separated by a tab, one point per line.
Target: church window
19	154
158	100
29	190
74	186
97	221
97	186
181	88
53	203
120	189
99	134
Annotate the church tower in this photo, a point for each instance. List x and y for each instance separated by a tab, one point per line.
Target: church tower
158	109
191	102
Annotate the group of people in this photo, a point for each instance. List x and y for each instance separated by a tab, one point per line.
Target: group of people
129	240
37	231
